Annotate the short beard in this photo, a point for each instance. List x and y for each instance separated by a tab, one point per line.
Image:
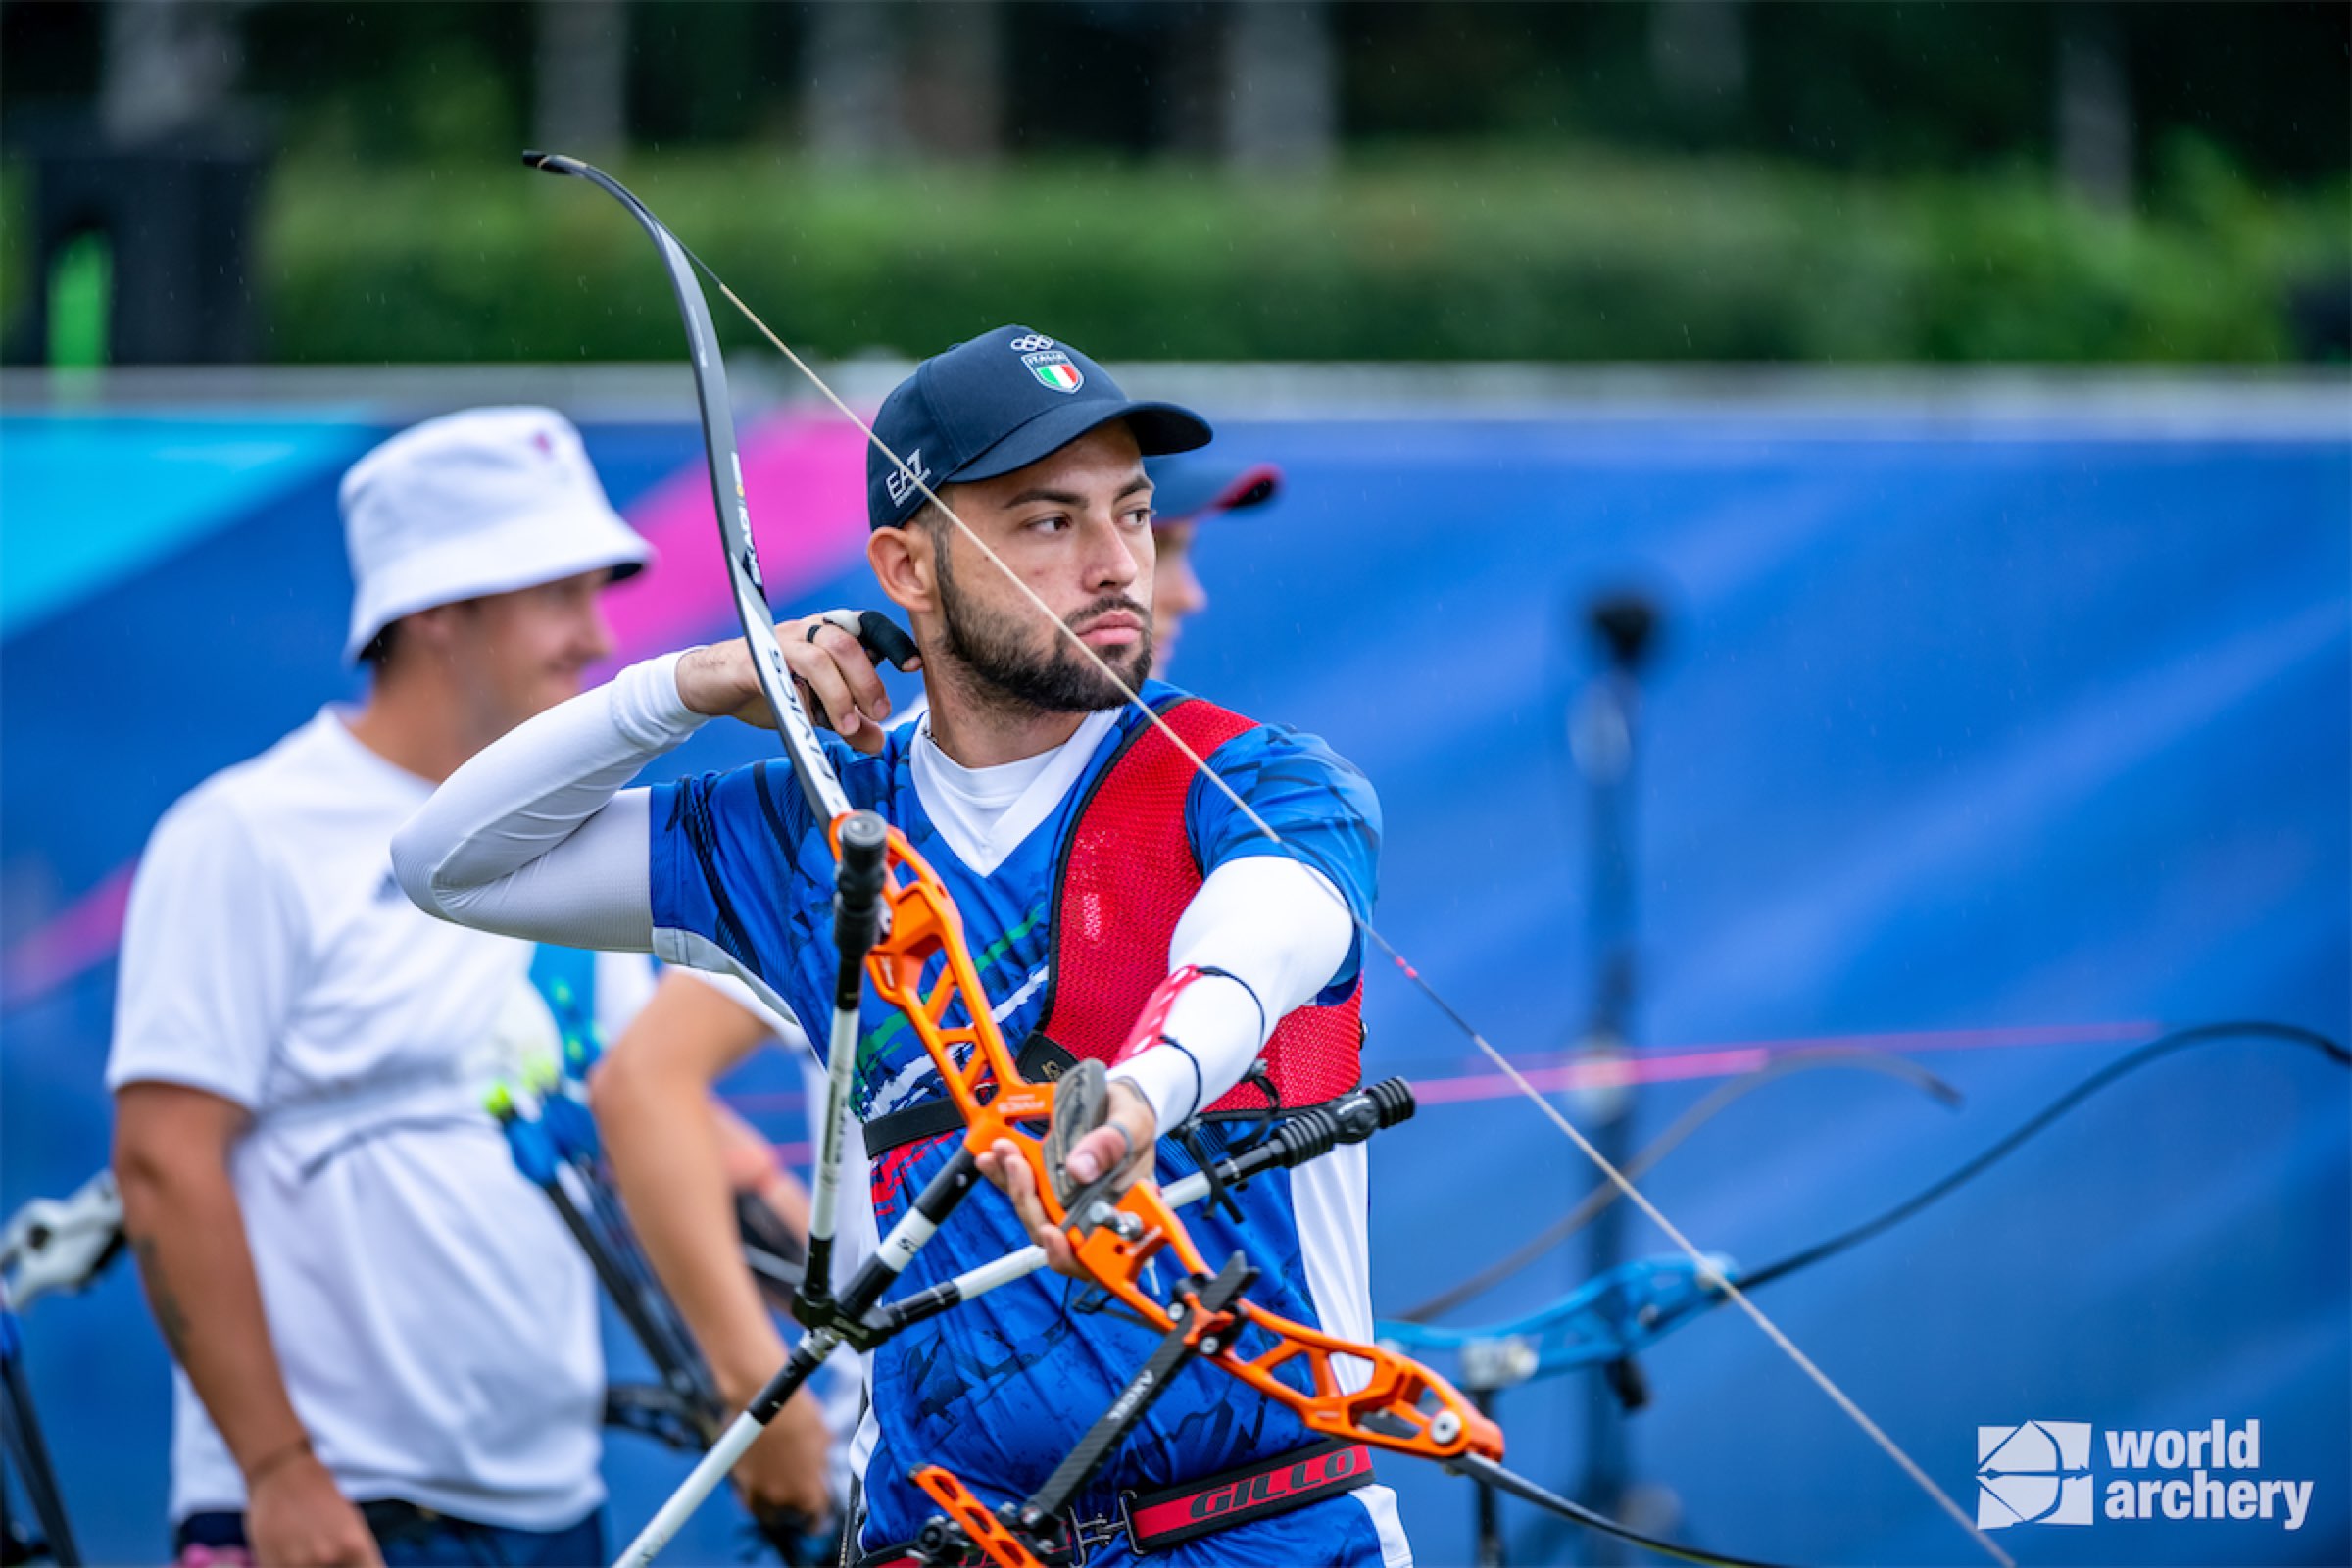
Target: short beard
1002	673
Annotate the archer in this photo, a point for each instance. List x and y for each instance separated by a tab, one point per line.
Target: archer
1096	879
685	1165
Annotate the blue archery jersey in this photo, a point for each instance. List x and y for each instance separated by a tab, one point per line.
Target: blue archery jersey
1000	1388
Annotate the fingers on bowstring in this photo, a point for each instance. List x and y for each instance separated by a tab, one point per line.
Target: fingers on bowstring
831	703
857	663
844	678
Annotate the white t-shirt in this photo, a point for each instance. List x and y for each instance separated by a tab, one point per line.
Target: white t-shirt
436	1324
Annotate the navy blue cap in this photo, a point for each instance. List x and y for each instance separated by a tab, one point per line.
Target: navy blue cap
1185	488
1000	403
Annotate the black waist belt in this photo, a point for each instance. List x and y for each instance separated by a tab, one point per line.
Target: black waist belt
1155	1520
1040	1058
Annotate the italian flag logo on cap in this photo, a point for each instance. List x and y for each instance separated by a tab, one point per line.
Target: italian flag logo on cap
1055	369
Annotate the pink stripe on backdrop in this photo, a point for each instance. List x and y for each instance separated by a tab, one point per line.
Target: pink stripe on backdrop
1693	1061
805	477
84	934
1726	1061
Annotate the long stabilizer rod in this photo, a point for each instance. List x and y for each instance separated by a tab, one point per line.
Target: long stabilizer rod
1305	1135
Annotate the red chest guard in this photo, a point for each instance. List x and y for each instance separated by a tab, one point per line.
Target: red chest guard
1127	872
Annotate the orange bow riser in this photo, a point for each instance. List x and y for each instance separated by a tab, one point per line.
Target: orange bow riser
1403	1405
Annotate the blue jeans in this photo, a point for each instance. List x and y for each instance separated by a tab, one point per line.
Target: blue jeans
409	1537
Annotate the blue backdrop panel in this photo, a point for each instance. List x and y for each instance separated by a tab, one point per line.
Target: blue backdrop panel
1946	733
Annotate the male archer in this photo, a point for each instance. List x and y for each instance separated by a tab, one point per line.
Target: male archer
386	1344
680	1160
1093	873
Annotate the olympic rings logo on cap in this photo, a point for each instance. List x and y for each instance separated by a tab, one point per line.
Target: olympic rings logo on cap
1030	342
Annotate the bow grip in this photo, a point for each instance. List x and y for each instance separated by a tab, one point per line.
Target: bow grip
864	839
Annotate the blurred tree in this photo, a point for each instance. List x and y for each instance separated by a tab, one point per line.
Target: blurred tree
2219	123
1698	53
955	80
888	81
49	55
852	110
1885	87
1895	86
1189	83
134	239
1114	77
169	65
2094	108
583	79
439	81
1281	80
717	74
2266	83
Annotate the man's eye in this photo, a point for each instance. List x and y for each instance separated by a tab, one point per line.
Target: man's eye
1053	523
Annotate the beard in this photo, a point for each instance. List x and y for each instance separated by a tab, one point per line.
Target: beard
1002	667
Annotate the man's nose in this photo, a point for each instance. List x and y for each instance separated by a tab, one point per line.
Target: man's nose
1180	587
1110	563
595	632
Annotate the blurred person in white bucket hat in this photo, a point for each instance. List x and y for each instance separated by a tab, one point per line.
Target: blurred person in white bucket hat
462	512
386	1344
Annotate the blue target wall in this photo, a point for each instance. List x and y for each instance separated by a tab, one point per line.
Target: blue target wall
2000	748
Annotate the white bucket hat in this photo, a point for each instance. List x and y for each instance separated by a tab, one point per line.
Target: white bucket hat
483	501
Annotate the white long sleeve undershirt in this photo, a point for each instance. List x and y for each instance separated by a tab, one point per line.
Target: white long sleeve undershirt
536	836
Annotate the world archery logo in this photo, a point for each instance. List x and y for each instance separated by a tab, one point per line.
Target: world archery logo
1053	367
2034	1473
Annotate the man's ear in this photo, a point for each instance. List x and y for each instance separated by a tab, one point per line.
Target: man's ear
903	565
433	632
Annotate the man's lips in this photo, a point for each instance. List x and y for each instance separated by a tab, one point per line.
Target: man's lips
1112	630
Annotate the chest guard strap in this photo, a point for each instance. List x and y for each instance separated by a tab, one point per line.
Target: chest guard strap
1127	872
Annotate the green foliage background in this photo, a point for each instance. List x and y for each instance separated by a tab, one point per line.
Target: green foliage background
1535	256
1515	181
1542	255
